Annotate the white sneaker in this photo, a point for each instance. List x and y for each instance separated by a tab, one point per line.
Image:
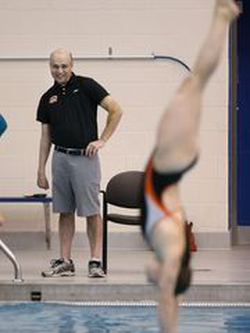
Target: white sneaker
60	267
95	269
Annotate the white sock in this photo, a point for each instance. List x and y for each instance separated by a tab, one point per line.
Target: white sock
95	259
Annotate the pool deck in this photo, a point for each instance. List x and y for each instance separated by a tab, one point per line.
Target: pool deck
219	276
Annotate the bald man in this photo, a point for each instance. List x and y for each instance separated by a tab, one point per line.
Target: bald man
68	116
176	152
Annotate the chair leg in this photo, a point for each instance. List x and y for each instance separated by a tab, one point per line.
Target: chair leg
105	245
104	232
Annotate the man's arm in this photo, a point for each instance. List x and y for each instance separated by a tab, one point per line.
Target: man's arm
114	115
44	150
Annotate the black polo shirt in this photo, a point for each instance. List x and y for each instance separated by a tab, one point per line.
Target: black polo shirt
71	111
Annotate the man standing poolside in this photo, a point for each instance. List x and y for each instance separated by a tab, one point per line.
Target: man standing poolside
68	113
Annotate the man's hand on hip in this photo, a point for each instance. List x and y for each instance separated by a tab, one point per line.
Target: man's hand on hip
94	146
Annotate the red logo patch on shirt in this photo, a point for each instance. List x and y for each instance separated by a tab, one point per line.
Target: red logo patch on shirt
53	99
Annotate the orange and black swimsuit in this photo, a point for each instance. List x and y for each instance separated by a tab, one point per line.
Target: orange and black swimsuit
153	210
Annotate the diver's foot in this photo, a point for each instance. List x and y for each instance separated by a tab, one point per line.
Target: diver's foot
228	8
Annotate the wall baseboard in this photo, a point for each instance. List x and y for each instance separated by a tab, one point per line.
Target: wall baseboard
242	235
117	240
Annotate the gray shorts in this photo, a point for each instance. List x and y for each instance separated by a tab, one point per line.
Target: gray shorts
76	184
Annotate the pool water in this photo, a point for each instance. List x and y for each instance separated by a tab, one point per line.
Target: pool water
45	317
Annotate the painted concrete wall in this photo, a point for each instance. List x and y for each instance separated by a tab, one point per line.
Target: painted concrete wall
32	29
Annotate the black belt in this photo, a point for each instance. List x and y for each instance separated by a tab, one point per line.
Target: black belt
71	151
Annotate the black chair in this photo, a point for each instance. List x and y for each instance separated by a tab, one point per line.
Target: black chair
123	190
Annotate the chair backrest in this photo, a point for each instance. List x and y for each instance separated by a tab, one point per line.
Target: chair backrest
124	189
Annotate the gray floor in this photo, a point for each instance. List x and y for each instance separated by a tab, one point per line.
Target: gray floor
219	276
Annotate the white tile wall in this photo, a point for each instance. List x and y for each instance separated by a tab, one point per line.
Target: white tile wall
31	28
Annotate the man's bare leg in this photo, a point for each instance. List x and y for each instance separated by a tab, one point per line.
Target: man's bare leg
95	241
1	219
66	234
94	230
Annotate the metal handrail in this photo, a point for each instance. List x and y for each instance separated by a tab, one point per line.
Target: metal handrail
17	268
